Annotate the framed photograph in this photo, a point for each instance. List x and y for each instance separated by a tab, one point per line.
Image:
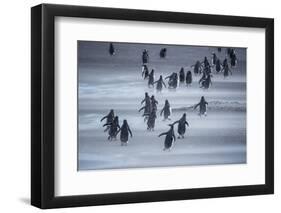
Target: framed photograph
139	106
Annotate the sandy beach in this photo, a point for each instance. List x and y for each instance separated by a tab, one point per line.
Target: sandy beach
115	82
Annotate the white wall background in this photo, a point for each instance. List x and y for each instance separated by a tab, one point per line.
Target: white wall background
15	105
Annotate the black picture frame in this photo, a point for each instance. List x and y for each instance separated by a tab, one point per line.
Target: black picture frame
43	105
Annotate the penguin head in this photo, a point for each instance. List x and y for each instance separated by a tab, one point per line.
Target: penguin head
171	125
202	98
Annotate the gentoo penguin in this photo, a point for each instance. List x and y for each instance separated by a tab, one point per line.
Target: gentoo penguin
202	106
111	49
218	65
182	75
233	59
163	52
113	128
151	120
205	83
167	110
181	125
169	139
124	133
226	70
159	84
154	103
147	106
145	57
151	78
197	67
109	118
144	71
188	78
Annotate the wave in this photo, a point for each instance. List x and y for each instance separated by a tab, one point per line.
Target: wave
226	106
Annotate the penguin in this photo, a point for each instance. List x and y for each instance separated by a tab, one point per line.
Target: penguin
145	56
109	117
188	78
173	80
224	63
214	58
182	75
144	71
233	59
206	62
226	70
181	125
111	49
169	139
167	110
151	120
159	84
228	51
207	70
124	133
202	106
231	53
218	65
154	103
197	68
146	107
151	78
163	52
204	76
205	83
113	128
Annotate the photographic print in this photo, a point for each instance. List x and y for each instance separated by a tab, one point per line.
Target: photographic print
160	105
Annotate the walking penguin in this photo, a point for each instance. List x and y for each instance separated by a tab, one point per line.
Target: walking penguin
145	56
109	118
167	110
163	52
188	78
111	49
151	78
181	125
113	128
169	139
159	84
151	120
182	75
154	103
202	106
146	107
124	133
144	71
